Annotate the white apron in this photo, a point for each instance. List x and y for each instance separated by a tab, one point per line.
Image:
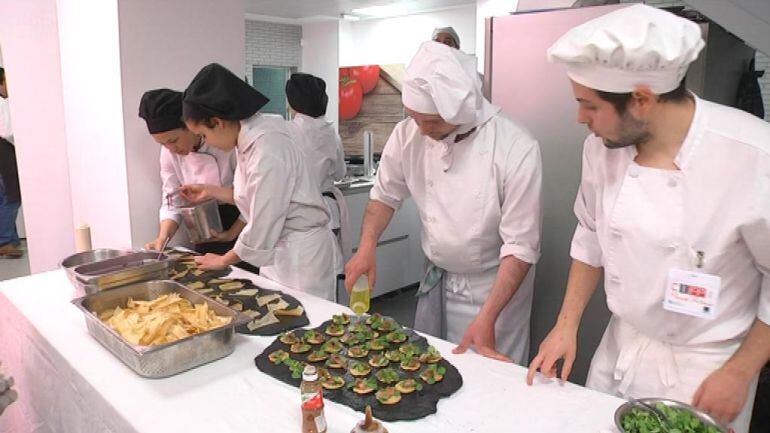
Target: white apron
647	215
302	262
339	218
459	297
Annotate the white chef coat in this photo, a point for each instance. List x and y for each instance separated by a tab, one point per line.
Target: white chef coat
640	222
479	200
322	146
286	233
325	158
6	130
209	165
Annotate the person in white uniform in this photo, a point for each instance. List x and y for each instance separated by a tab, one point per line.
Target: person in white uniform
447	36
320	143
287	233
674	209
186	159
475	177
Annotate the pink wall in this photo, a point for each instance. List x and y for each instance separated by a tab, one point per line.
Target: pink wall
164	44
29	37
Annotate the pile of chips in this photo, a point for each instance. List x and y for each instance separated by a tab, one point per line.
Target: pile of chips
165	319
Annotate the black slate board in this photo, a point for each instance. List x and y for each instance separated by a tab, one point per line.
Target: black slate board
416	405
286	323
249	302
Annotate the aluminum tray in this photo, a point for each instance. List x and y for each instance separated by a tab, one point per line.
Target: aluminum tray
119	271
166	359
70	263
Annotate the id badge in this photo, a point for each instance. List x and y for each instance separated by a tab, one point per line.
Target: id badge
692	293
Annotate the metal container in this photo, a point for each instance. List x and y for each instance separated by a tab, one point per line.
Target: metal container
166	359
70	263
705	418
201	220
119	271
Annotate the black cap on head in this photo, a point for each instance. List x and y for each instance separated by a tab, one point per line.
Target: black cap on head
307	94
217	92
162	110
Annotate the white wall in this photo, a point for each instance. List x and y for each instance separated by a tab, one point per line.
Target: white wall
320	57
484	10
29	36
90	71
164	44
396	40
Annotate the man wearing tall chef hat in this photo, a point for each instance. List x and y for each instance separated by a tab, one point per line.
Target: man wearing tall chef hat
674	209
186	159
476	179
287	230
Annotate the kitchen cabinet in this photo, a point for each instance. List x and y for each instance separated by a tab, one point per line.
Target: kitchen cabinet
400	259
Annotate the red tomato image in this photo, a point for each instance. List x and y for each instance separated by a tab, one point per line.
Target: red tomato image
351	96
344	72
368	76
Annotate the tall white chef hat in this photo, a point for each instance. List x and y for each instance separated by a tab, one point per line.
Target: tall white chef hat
442	80
637	45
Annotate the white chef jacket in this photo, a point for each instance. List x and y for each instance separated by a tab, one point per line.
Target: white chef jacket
208	165
6	131
479	200
721	206
322	146
273	188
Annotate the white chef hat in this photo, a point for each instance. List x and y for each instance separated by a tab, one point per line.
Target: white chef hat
448	30
637	45
442	80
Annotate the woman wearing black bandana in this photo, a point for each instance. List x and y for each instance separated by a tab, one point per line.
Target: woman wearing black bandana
321	145
286	233
186	159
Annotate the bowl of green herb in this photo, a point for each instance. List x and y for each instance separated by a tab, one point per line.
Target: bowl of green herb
679	417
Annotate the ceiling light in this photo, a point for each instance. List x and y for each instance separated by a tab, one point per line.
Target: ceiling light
350	17
382	11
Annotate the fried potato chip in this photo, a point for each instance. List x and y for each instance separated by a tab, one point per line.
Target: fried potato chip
266	299
280	305
267	319
235	285
197	285
246	292
165	319
197	272
296	312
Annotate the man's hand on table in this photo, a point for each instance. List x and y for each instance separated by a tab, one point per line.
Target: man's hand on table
480	336
561	343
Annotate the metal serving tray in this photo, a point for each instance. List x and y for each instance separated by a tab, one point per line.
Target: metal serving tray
70	263
119	271
166	359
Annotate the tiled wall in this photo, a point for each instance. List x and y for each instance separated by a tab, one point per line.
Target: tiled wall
762	59
272	44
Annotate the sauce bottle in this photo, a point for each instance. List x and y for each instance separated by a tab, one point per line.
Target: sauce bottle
313	420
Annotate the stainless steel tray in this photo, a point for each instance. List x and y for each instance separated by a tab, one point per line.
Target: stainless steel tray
166	359
70	263
119	271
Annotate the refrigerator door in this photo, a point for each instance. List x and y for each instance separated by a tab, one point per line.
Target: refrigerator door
538	95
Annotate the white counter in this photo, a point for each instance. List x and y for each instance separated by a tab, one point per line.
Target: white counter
67	382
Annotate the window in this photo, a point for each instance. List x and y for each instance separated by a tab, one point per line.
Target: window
271	82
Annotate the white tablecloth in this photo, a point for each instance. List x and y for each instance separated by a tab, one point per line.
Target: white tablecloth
68	382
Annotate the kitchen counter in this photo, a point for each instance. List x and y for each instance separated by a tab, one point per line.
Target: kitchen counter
68	382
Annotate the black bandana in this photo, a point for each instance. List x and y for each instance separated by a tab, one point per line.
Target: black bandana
307	94
217	92
162	110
